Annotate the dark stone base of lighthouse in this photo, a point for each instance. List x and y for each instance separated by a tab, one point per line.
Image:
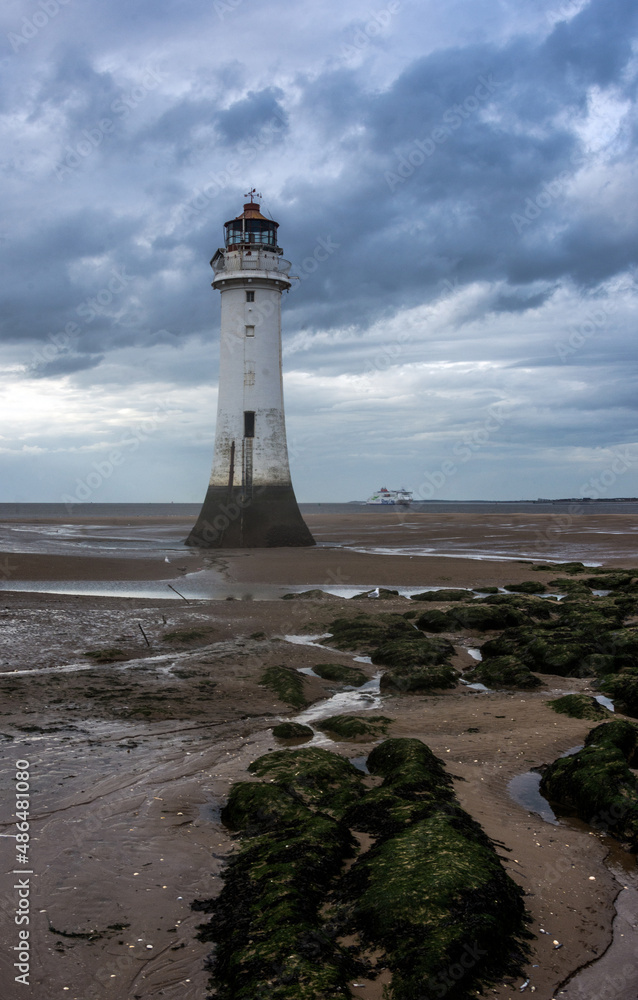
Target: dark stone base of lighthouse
269	518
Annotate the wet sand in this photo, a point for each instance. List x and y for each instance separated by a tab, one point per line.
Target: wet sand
131	759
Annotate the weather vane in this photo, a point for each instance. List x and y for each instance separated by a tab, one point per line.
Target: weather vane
252	193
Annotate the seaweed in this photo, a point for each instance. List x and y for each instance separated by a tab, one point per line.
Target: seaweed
308	595
623	688
286	683
315	776
579	706
365	631
431	892
292	731
340	672
597	783
503	672
526	587
412	649
474	616
410	678
534	607
444	595
350	727
577	587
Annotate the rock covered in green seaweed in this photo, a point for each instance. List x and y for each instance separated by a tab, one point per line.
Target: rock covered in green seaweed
444	595
429	891
432	887
415	662
526	587
350	727
503	672
286	683
471	616
340	672
579	706
413	678
598	782
292	731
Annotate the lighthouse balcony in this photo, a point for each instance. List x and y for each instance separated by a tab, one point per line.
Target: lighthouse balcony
249	260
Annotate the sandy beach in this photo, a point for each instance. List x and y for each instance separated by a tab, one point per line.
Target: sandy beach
136	713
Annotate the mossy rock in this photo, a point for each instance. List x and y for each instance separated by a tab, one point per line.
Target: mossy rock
619	733
308	595
412	649
579	706
434	620
534	607
486	590
271	941
556	651
623	689
526	587
366	631
444	595
594	617
432	886
317	777
484	618
292	731
286	683
597	783
350	727
622	644
255	807
418	679
476	616
571	568
611	580
503	672
341	673
446	895
576	587
409	765
431	893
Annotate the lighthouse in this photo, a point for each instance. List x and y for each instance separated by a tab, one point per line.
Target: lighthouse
250	502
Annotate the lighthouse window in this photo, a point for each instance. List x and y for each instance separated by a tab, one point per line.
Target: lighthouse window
250	331
249	423
250	296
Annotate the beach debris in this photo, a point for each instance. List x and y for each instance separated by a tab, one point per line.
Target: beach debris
177	592
143	633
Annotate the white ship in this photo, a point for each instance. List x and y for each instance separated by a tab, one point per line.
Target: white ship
385	496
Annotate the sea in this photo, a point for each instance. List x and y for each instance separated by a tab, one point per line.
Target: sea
28	511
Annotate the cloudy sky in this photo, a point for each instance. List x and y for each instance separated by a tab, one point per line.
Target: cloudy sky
467	171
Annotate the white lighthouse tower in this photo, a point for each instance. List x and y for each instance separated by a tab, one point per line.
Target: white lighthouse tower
250	502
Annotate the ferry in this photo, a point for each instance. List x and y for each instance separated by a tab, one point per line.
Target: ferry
385	496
